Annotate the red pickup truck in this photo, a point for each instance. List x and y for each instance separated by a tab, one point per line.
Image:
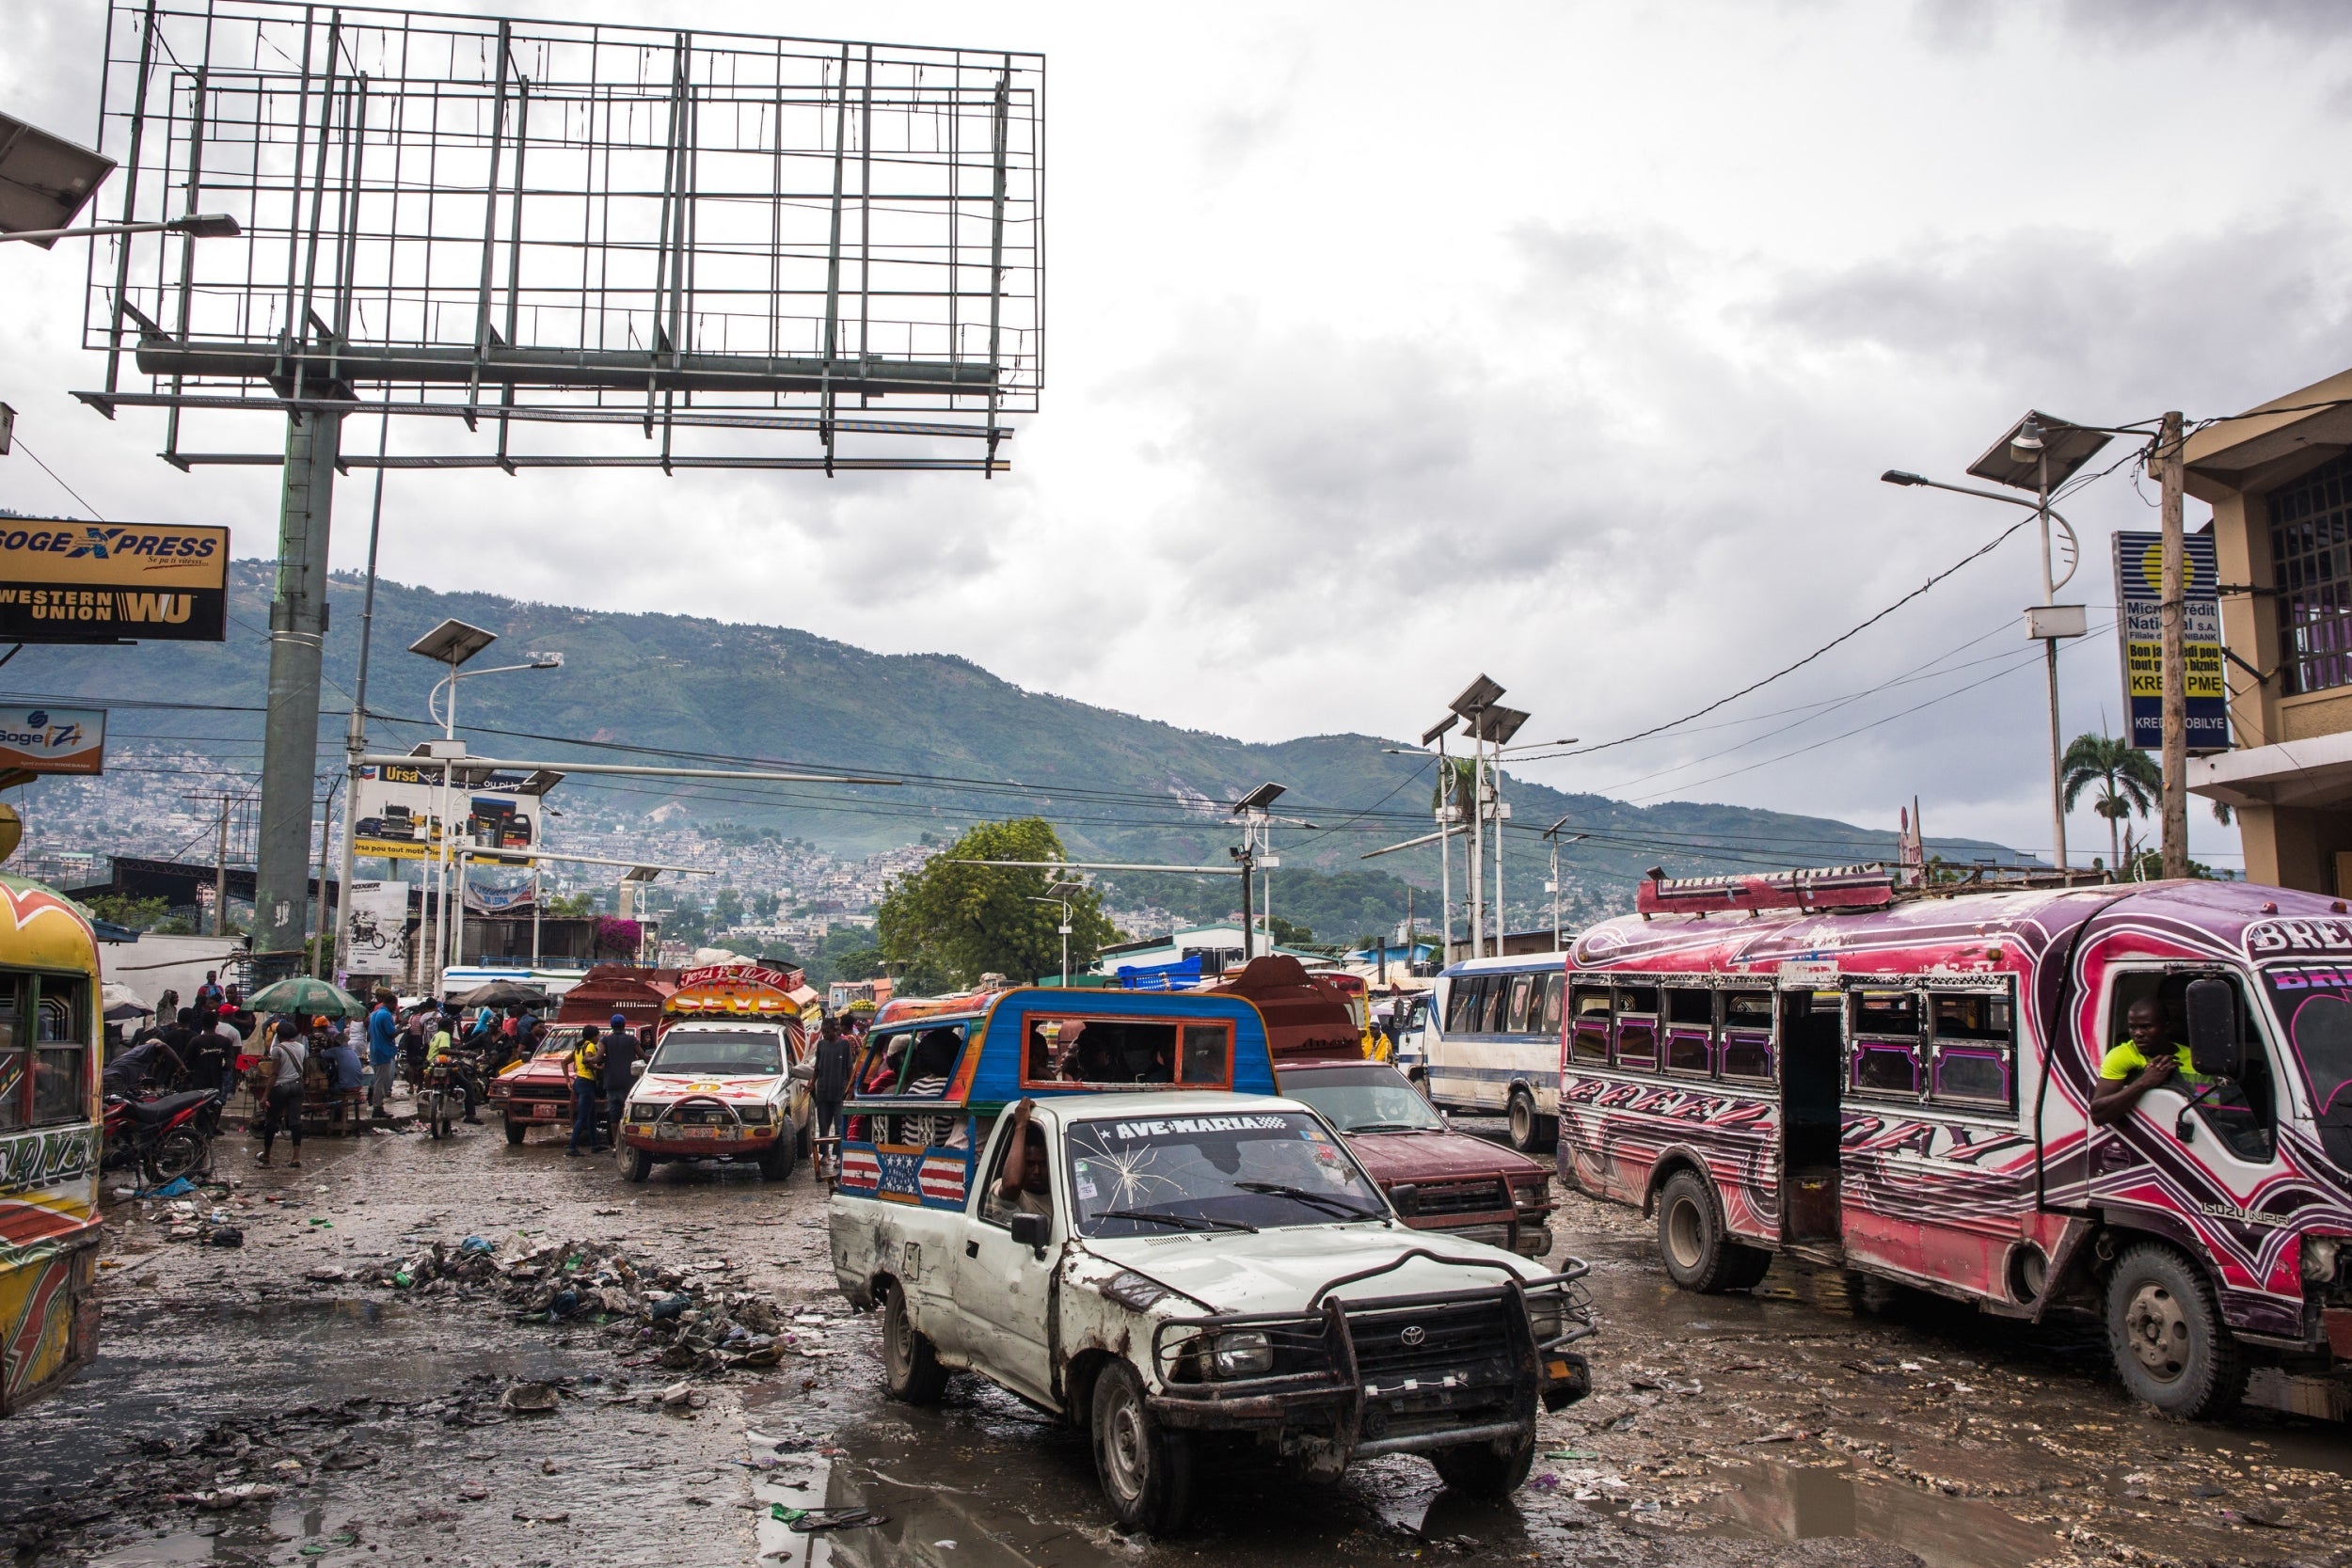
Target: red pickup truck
1440	1180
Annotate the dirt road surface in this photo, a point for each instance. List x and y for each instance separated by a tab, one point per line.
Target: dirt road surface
292	1401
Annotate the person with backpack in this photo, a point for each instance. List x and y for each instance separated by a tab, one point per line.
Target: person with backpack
281	1094
620	1054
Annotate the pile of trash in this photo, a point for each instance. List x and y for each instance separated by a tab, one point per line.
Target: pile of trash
189	1210
692	1319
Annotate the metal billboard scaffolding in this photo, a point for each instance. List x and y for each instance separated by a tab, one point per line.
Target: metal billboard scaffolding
547	226
722	243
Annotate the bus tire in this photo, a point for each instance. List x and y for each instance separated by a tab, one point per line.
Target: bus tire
1698	1253
2165	1330
1531	1133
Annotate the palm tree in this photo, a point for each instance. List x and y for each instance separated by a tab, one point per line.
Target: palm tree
2130	784
1461	772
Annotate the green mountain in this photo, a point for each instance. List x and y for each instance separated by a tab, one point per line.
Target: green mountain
644	687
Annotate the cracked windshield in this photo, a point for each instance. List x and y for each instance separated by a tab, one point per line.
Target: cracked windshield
1142	1175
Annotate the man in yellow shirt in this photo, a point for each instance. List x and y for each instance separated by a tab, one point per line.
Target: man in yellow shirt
587	1090
2143	1061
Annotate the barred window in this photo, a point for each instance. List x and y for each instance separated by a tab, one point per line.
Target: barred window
2311	557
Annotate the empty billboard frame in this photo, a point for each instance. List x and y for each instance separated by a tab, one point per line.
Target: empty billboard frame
570	245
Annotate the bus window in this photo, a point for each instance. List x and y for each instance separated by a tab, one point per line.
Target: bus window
1515	1022
1748	1033
1972	1049
1588	1024
1885	1067
1887	1012
61	1086
1637	1026
1555	985
1690	1030
1498	995
1461	1003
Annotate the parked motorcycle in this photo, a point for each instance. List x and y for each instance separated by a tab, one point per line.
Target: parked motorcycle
163	1138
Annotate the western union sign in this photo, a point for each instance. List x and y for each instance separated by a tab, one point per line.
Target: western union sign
2139	598
65	581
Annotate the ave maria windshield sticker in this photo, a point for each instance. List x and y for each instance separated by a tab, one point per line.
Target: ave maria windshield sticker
1178	1127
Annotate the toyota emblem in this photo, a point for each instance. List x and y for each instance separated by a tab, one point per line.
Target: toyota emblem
1414	1334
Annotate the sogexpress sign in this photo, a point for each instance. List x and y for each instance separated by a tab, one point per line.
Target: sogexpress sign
62	580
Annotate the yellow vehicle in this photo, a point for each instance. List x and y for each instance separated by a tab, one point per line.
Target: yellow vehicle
51	1137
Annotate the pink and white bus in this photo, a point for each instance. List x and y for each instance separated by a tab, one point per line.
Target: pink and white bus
1900	1084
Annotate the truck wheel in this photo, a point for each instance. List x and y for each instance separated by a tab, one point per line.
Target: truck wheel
1477	1470
1699	1255
636	1164
910	1371
514	1130
2171	1346
776	1161
1145	1469
1530	1133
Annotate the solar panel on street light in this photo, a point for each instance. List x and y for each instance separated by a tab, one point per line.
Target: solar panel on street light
453	643
1481	693
2065	445
1497	725
44	179
1260	798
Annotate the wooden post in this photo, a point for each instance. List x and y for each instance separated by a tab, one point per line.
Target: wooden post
2175	659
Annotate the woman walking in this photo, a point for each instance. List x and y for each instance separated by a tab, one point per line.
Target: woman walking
287	1058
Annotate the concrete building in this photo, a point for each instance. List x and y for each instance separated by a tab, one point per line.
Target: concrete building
2279	483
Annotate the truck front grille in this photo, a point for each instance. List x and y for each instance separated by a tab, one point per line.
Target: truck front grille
1462	1197
1470	1340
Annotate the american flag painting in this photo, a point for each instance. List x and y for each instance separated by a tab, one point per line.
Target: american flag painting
861	1171
903	1175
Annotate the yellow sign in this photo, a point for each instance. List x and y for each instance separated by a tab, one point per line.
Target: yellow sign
64	581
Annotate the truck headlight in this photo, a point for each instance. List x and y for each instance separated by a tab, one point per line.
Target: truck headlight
1244	1352
643	1113
1548	1316
756	1116
1535	1194
2319	1257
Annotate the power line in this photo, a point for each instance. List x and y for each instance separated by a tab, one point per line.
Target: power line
18	442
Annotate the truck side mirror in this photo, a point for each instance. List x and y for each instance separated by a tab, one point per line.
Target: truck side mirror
2215	1046
1030	1230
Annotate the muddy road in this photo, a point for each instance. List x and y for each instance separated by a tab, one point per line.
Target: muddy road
293	1400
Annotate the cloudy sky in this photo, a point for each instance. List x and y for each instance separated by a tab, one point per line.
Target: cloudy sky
1393	344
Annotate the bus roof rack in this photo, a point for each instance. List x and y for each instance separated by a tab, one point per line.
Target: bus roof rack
1869	886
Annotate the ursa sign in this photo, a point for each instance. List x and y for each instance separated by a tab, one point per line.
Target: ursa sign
66	581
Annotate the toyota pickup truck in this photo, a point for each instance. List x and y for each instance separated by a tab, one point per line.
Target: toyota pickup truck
1166	1265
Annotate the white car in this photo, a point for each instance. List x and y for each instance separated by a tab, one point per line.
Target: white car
1216	1263
719	1090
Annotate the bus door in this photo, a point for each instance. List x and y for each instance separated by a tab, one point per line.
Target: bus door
1812	1072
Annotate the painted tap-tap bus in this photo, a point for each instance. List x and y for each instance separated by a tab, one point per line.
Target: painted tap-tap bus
1813	1063
51	1137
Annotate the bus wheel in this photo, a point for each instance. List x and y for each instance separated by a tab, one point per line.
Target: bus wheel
2171	1346
1699	1256
1530	1133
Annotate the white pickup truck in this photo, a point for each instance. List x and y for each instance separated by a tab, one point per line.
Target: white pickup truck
1176	1265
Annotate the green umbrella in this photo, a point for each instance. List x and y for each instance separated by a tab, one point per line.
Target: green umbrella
306	997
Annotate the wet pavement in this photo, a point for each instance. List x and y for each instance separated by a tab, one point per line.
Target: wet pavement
289	1401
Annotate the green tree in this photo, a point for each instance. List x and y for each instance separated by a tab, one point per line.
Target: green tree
141	914
571	906
2129	783
951	922
1462	773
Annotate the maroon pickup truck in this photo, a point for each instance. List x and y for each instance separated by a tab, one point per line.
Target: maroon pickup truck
1440	1180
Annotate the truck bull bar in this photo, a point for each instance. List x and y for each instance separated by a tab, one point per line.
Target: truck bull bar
1315	1378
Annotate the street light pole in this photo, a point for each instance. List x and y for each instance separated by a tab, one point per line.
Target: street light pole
2042	511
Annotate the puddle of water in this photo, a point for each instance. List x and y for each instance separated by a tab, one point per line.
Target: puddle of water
1800	1502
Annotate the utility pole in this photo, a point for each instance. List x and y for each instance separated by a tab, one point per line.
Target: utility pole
322	950
1447	813
1478	848
2175	658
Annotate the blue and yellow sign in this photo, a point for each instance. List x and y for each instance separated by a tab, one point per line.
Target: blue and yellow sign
2139	632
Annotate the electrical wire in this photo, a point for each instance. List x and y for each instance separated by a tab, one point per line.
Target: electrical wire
18	442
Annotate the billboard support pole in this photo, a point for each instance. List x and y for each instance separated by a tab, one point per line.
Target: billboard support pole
297	628
2174	612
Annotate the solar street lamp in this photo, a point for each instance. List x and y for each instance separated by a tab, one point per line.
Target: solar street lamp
2039	453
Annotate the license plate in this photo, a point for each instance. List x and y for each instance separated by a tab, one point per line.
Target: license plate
547	1113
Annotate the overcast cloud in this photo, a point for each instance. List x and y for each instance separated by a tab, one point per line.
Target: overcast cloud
1388	344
